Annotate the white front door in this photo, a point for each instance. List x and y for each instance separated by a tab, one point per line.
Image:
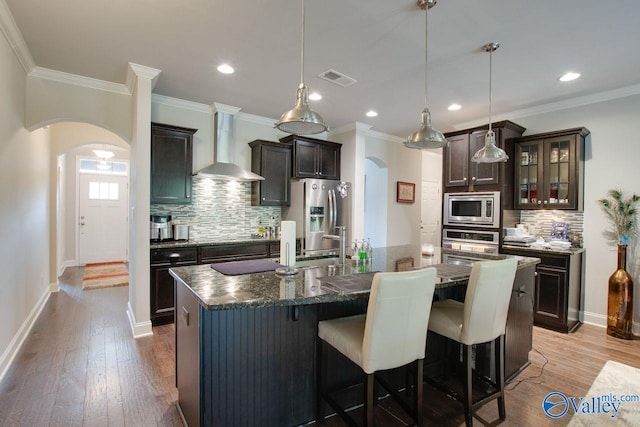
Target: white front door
430	213
102	218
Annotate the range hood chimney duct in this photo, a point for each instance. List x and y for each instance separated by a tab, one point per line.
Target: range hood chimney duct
223	168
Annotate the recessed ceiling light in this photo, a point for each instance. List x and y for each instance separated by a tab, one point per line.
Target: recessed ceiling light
454	107
569	76
371	113
315	96
225	69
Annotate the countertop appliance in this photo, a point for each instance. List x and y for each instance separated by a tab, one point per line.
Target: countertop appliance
318	206
180	232
160	228
474	209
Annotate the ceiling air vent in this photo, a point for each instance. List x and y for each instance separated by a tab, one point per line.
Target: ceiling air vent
338	78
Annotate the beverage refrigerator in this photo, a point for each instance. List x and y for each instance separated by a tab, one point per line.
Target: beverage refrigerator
318	206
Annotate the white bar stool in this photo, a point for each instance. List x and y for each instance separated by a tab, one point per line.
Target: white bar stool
482	318
391	334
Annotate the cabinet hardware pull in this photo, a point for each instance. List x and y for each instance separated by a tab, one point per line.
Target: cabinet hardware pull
546	201
295	313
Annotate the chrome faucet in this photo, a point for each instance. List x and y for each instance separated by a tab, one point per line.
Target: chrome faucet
342	238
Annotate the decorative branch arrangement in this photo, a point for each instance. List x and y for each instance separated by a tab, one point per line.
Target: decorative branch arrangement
622	213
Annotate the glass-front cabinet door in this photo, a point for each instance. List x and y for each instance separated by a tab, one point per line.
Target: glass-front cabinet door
559	171
527	162
548	171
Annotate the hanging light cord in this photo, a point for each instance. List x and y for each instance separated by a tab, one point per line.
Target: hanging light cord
426	34
302	48
491	49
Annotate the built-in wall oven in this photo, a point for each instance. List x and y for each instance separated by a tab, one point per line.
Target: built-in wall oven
481	241
475	209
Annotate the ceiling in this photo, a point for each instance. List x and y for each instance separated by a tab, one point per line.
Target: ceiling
380	43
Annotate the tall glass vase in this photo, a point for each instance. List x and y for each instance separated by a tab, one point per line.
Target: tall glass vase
620	304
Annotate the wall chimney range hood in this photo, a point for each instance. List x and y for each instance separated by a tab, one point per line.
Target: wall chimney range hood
223	168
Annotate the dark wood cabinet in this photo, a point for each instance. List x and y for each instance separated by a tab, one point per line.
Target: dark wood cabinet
461	174
271	160
171	163
549	170
314	158
161	282
558	287
233	252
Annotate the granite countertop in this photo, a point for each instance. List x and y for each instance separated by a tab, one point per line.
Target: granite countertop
216	291
166	244
554	251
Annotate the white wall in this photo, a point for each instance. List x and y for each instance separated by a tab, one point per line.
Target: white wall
611	162
24	211
403	219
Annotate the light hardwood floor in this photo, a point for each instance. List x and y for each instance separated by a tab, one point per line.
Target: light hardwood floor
80	366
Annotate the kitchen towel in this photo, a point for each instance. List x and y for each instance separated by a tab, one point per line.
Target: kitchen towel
288	237
235	268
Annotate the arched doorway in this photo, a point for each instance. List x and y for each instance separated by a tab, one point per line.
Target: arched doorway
375	201
91	194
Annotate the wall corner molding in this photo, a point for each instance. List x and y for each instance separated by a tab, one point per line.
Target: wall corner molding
141	329
135	71
14	346
13	35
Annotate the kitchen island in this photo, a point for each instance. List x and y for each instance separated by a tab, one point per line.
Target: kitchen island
246	344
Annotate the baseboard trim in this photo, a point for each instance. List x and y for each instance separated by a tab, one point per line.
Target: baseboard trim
65	264
16	343
54	287
595	319
141	329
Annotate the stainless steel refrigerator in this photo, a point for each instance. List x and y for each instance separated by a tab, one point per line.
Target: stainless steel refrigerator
318	206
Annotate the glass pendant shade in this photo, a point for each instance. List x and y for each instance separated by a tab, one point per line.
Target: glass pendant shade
301	119
490	153
426	136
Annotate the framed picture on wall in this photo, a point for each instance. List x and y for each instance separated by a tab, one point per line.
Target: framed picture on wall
406	192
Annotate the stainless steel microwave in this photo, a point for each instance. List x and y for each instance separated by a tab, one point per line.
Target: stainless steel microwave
472	209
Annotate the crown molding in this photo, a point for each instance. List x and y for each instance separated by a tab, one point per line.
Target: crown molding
557	106
135	71
224	108
180	103
14	38
74	79
252	118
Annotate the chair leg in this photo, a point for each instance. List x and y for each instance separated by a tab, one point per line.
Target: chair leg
499	356
468	384
418	391
319	380
369	399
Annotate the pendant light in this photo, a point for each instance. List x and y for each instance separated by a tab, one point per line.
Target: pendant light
426	136
301	119
490	153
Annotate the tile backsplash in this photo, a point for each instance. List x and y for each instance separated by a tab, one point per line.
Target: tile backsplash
220	210
539	223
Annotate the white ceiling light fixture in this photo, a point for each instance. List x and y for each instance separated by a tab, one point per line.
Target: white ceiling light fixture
454	107
426	136
490	153
569	76
315	96
371	113
103	154
301	119
225	69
